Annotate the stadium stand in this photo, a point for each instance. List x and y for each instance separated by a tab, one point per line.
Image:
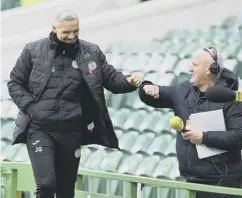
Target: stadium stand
147	143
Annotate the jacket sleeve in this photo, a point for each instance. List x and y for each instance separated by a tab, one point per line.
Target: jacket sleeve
19	77
165	100
113	80
232	138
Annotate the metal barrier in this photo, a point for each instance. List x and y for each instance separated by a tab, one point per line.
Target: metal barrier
19	177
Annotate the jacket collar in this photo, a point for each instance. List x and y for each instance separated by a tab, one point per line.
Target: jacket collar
54	43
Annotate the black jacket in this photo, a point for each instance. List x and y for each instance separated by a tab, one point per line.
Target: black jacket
32	72
184	99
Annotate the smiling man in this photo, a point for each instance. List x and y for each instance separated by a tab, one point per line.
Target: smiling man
187	98
58	83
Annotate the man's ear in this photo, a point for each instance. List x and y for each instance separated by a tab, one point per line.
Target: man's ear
208	71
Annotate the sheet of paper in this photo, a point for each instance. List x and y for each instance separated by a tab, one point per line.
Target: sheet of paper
208	121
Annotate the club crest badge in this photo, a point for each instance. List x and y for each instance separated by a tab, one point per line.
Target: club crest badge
78	153
92	66
74	64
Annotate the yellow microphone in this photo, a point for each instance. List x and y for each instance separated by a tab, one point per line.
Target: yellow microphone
177	124
238	97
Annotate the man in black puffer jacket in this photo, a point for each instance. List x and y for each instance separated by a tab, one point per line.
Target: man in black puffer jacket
58	85
187	98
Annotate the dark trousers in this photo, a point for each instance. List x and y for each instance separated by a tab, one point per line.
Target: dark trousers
54	159
231	184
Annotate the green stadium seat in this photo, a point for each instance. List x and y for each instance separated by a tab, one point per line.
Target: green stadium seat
239	55
136	61
218	35
180	193
163	127
167	169
127	140
165	193
182	77
7	130
10	152
4	91
147	166
153	77
94	160
170	34
231	51
183	66
168	64
166	79
114	187
118	133
171	148
178	46
111	161
164	46
107	95
6	106
22	155
152	120
115	101
118	59
130	163
140	72
154	62
231	64
139	105
149	192
85	153
111	111
109	57
134	120
13	112
120	117
188	51
4	144
129	99
142	142
159	144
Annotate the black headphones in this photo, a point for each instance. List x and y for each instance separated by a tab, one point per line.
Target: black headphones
214	67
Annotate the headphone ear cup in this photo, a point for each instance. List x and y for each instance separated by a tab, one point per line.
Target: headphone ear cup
214	68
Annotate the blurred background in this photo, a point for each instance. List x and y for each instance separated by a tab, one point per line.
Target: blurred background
154	38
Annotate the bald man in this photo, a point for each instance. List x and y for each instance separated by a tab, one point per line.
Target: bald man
57	84
188	97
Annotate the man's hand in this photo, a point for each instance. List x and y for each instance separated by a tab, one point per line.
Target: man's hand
152	90
134	80
194	137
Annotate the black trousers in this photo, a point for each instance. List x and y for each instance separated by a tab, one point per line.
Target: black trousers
231	184
54	156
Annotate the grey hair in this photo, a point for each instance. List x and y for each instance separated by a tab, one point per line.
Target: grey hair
66	15
220	59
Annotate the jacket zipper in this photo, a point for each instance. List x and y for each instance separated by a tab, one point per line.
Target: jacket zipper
189	146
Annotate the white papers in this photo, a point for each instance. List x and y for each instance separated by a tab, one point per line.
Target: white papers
208	121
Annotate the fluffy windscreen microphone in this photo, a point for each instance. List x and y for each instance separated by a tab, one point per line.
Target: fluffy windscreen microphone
219	94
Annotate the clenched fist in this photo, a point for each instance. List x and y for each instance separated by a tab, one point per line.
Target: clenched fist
151	90
134	80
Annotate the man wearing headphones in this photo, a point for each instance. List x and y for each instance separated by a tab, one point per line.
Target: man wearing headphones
188	97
